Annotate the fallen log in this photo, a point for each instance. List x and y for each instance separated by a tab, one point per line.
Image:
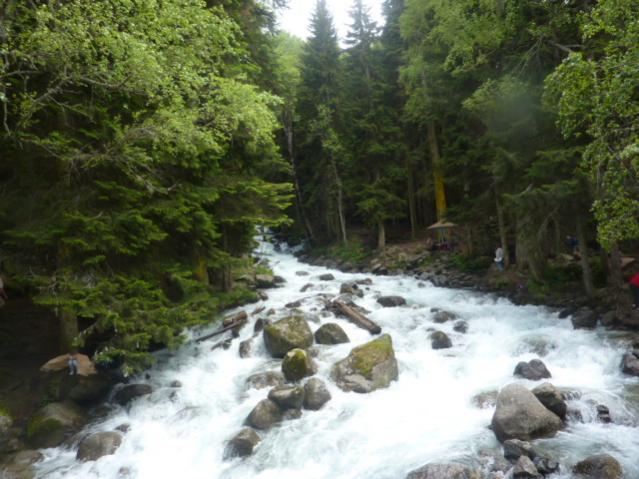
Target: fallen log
356	317
235	323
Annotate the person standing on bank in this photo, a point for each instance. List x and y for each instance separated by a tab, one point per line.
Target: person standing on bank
634	287
499	258
73	363
3	293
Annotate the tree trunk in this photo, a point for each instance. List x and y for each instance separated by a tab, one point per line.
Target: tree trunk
503	236
438	174
585	263
412	204
381	235
68	323
299	208
615	278
340	202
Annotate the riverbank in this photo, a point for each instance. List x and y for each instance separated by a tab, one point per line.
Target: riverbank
562	290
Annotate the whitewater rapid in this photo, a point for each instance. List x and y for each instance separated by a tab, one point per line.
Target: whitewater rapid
428	415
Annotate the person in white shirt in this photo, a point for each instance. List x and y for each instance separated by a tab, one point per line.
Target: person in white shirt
499	258
3	293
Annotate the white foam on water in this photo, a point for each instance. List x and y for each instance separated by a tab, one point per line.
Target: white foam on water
428	415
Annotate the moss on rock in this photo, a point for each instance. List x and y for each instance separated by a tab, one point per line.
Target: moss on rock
286	334
297	365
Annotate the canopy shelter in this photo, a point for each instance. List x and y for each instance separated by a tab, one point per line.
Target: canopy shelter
442	225
442	229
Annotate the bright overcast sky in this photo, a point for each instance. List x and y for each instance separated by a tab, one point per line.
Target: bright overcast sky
296	18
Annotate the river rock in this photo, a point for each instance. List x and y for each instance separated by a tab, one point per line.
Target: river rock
461	327
265	415
291	414
287	397
306	287
54	423
94	446
444	316
601	466
331	333
88	390
514	449
552	399
440	340
485	399
265	281
242	444
261	323
61	363
520	415
265	380
368	367
245	348
391	301
584	319
132	391
286	334
316	394
525	469
603	414
444	471
297	365
326	277
630	364
351	288
19	465
546	466
301	273
533	370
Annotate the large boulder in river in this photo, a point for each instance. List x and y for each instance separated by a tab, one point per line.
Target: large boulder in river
584	318
391	301
533	370
94	446
265	380
132	391
368	367
242	444
286	334
331	333
297	365
444	471
316	394
20	465
265	415
525	469
265	281
552	398
287	397
440	340
88	390
601	466
630	363
520	415
443	316
52	424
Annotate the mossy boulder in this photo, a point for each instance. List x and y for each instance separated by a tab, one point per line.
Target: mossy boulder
265	415
440	340
602	466
94	446
89	389
368	367
331	333
286	334
20	465
297	365
52	424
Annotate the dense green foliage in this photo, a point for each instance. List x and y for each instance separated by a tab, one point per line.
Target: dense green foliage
515	119
135	147
143	141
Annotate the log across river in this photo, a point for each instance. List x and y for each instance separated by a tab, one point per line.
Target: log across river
430	414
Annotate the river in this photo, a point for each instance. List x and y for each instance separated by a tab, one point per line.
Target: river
428	415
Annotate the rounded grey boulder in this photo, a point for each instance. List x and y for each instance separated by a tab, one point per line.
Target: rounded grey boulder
297	365
520	415
265	415
533	370
440	340
552	399
316	394
331	333
287	397
391	301
100	444
242	444
132	391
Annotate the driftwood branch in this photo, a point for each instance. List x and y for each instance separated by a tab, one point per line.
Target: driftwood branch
356	317
232	322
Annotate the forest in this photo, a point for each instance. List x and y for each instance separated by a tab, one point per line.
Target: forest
143	142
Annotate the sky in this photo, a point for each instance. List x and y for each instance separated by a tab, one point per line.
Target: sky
296	18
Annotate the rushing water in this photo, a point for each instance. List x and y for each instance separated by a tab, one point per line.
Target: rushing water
428	415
